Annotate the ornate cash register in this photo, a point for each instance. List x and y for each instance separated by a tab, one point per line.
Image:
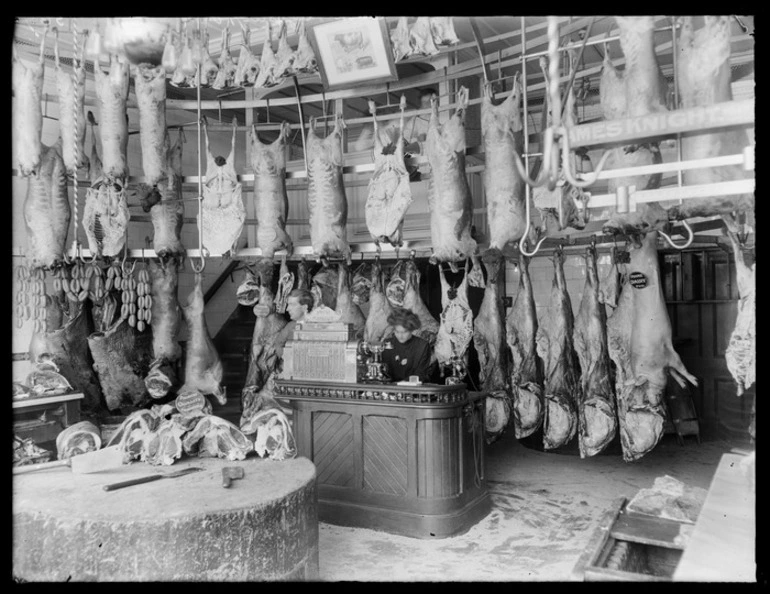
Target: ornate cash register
403	458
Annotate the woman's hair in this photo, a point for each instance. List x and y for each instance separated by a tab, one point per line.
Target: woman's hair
304	297
404	317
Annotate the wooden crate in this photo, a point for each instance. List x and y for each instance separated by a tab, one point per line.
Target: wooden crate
403	460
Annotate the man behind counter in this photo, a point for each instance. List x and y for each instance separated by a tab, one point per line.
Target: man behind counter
299	303
408	354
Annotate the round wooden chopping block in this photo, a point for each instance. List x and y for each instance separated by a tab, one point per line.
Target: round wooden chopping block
66	527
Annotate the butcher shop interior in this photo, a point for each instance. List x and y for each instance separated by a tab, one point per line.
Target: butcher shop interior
388	299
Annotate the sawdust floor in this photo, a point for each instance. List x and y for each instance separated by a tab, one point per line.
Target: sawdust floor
545	507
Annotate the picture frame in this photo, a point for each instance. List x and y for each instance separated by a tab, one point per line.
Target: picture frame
353	51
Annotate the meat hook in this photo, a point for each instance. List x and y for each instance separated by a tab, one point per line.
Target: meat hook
589	179
523	239
686	244
545	171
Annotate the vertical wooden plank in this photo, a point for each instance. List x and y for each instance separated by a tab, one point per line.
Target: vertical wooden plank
412	453
358	446
429	469
688	292
248	190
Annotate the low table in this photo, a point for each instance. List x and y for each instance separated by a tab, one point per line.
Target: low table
64	410
402	459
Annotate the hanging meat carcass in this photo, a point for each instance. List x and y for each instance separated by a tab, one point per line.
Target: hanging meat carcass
399	39
222	213
67	346
596	405
639	340
377	327
217	438
208	67
389	193
165	321
285	286
326	198
303	275
503	136
247	292
271	202
526	365
421	37
704	78
71	92
225	77
304	58
396	286
741	356
456	323
428	329
561	366
443	30
203	367
247	69
168	213
77	439
28	114
609	288
263	357
362	283
490	342
284	57
449	196
112	94
268	62
640	90
105	215
186	64
349	312
150	85
47	211
324	285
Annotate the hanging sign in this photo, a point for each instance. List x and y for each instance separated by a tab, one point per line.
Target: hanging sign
637	280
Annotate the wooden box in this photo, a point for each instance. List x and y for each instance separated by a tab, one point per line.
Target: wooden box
402	459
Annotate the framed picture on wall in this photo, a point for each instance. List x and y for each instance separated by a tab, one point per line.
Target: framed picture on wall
353	51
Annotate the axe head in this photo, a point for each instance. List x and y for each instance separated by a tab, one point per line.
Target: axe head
231	473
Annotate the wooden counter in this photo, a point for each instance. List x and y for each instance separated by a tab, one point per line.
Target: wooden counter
406	460
722	545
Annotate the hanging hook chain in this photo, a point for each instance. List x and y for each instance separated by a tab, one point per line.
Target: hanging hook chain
687	243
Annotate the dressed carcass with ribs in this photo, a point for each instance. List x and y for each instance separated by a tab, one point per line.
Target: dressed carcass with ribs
47	211
267	64
77	439
105	215
389	193
489	340
456	322
167	214
247	69
71	91
377	327
443	30
271	202
561	366
28	114
203	367
165	321
639	340
503	186
304	57
112	94
704	78
596	405
222	213
741	354
217	438
421	37
428	329
526	365
134	432
449	196
225	77
326	198
639	90
349	312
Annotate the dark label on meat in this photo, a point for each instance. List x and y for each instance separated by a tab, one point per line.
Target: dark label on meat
637	280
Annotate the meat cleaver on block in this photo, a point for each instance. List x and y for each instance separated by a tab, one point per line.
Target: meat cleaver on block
104	459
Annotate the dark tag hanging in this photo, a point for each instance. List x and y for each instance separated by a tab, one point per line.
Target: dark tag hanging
637	280
623	258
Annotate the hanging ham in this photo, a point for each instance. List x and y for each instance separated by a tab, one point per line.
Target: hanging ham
377	327
165	321
327	203
28	113
596	404
284	57
267	63
270	199
456	323
348	311
526	365
639	340
428	329
203	367
639	90
503	137
222	213
609	288
304	58
362	283
247	68
421	37
324	285
389	193
225	77
112	94
208	67
399	39
167	214
285	286
490	342
71	92
449	196
47	211
443	30
704	78
561	367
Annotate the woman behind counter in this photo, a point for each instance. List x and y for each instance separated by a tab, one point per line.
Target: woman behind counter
408	354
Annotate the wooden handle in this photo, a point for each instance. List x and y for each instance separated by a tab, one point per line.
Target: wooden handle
41	466
136	481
